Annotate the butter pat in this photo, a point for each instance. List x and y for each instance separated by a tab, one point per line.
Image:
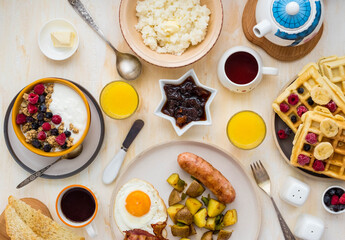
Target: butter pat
62	39
170	27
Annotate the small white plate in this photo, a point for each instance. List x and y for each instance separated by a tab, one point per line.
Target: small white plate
46	44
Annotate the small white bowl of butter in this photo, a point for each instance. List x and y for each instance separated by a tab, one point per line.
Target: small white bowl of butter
58	39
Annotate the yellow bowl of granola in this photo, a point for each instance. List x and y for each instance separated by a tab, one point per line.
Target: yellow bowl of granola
51	117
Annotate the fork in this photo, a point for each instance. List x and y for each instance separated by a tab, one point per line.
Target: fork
263	180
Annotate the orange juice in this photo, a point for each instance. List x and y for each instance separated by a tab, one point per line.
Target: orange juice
246	130
119	100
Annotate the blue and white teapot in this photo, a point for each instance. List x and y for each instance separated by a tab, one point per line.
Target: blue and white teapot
288	22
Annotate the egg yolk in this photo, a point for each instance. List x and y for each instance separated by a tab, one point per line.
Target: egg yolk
138	203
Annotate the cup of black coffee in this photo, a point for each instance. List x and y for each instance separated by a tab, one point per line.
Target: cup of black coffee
77	206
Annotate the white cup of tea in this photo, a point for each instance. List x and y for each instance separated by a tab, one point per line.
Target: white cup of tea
240	69
77	206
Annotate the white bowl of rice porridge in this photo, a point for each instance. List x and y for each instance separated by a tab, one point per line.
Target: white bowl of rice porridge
171	33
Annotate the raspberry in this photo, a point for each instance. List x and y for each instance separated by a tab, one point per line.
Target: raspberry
32	109
20	119
33	98
331	106
318	165
284	107
301	110
293	99
61	139
56	119
41	135
342	199
303	159
46	126
311	138
335	200
282	134
39	89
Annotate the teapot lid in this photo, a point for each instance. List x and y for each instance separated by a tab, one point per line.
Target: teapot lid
291	14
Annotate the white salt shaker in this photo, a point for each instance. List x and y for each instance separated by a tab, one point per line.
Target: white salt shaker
294	191
309	227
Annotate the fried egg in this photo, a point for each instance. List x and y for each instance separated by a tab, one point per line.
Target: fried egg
138	205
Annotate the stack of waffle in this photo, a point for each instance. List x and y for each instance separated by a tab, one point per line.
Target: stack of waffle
315	97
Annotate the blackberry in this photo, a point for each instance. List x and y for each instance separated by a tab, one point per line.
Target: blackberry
35	125
300	90
64	146
30	119
293	119
40	123
334	208
331	191
47	148
339	192
49	115
41	99
36	143
327	200
54	132
306	147
310	101
42	108
67	133
40	116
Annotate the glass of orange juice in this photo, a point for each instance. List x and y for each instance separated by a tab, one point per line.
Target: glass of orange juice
119	100
246	130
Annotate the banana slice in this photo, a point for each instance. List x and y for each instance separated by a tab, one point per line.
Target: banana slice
323	151
329	127
320	96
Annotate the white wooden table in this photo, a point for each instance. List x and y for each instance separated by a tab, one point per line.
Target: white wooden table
93	66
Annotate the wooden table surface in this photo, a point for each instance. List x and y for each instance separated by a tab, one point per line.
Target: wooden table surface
93	66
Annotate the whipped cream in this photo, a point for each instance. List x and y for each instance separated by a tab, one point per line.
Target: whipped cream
71	108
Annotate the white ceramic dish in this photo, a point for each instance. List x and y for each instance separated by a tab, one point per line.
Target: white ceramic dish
157	163
159	113
46	45
324	205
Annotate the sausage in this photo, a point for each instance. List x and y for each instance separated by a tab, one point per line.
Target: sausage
207	175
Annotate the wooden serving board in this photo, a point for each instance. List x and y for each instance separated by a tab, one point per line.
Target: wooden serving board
275	51
36	204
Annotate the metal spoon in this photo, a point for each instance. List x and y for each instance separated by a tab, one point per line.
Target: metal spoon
128	66
75	153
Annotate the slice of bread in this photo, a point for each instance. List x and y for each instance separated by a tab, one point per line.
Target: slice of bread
40	224
15	227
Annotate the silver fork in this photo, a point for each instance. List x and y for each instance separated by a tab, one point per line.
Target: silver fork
263	180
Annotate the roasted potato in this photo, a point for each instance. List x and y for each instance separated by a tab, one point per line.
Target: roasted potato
211	223
176	182
175	197
195	189
193	205
184	216
207	236
180	231
173	210
215	208
192	230
230	217
200	218
224	235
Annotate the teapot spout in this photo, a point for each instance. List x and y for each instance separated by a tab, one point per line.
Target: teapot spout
262	28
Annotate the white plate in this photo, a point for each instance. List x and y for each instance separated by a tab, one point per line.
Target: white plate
156	164
46	45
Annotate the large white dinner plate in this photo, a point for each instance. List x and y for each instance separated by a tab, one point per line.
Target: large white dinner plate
156	164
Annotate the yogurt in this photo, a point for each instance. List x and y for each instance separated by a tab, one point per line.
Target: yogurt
71	108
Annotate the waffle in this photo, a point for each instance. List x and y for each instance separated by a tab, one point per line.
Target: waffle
333	68
335	164
308	79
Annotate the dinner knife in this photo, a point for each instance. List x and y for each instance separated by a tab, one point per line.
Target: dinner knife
112	169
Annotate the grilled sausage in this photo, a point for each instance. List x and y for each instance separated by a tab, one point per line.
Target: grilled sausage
207	175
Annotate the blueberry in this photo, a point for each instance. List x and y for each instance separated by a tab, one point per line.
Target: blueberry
293	119
339	192
335	208
40	123
47	148
44	94
36	143
64	146
35	125
327	200
40	116
49	115
288	131
30	119
306	147
41	99
43	108
331	191
310	101
54	132
300	90
341	207
67	133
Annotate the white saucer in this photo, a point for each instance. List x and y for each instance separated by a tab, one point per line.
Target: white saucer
46	45
32	162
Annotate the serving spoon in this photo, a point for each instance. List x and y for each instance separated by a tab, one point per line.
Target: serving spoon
128	66
69	156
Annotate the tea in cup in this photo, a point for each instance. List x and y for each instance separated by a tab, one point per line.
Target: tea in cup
77	206
240	69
